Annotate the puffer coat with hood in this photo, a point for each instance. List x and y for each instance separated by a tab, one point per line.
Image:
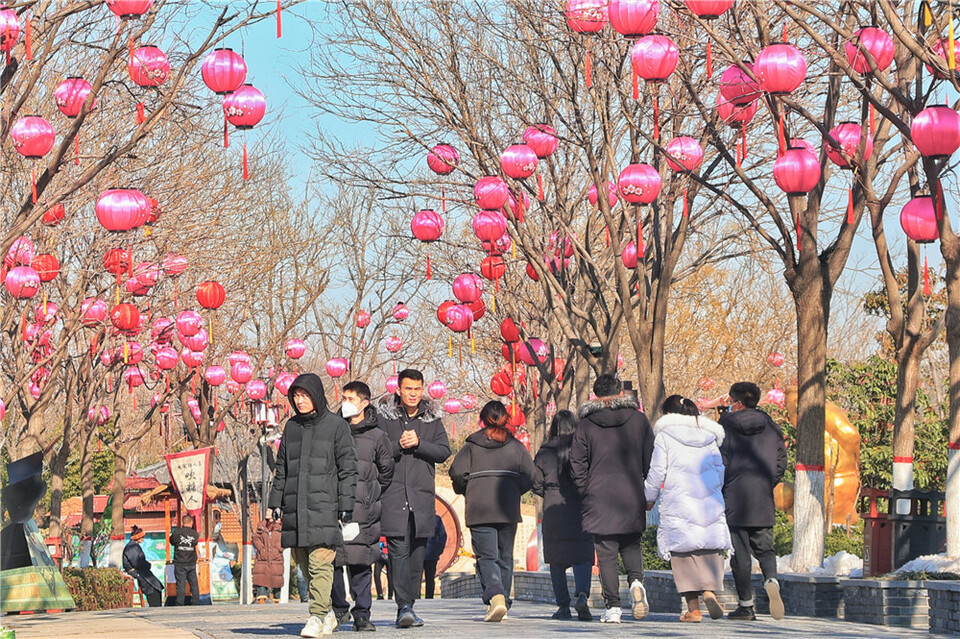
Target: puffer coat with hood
609	461
315	476
375	470
755	459
687	464
492	475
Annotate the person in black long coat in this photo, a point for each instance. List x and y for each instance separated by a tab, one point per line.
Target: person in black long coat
375	469
609	462
565	543
136	565
419	442
493	470
314	488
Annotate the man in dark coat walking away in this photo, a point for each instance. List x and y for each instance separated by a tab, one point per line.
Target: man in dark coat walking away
136	565
609	462
755	459
431	557
314	488
268	567
184	541
375	470
419	442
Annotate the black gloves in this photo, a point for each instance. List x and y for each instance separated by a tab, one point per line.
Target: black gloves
346	516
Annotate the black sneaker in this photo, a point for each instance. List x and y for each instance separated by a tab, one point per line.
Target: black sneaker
342	616
406	618
417	621
563	612
583	610
743	613
363	624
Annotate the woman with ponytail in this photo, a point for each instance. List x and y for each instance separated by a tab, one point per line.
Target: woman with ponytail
565	544
686	472
493	470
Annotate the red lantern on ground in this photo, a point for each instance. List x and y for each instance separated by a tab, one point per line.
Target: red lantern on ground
877	42
47	267
936	132
443	159
437	389
519	161
780	68
54	215
148	66
244	108
639	184
121	210
224	71
125	317
210	294
489	226
491	192
467	287
22	282
918	219
427	226
736	85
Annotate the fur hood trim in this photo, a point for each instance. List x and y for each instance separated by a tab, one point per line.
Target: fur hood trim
613	403
388	406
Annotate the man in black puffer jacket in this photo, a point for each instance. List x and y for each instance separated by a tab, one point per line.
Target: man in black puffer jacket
419	442
755	458
314	489
375	466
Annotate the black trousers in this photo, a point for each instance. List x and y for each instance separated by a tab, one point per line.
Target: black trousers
630	547
493	547
360	576
429	578
154	599
406	564
759	542
382	565
185	573
581	580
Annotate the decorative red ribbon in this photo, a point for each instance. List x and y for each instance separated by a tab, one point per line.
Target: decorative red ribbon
953	446
810	468
902	460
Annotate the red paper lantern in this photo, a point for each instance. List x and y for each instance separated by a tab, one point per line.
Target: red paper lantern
918	219
936	132
478	308
519	161
491	192
708	9
493	267
517	418
497	247
533	351
120	210
148	66
245	107
427	225
776	359
532	272
241	372
629	255
210	294
71	94
116	261
780	68
501	384
442	311
125	317
47	267
684	153
847	137
401	312
877	42
797	171
736	85
639	184
224	71
633	18
54	215
459	318
363	319
467	287
489	226
129	9
612	198
22	282
469	402
654	57
32	136
443	159
509	331
586	16
542	138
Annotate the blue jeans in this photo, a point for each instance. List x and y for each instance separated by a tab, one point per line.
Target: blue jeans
581	580
493	548
301	584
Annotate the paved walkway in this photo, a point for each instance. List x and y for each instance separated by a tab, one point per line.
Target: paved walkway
459	618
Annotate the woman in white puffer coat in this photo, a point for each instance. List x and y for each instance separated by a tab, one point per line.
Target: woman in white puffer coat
686	472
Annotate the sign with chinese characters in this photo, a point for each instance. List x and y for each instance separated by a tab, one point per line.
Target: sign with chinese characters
189	472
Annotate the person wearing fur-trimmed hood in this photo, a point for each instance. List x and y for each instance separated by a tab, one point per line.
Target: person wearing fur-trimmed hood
419	442
686	473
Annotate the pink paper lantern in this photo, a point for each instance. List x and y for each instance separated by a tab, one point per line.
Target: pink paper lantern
166	359
654	58
9	30
133	377
245	107
427	225
499	246
121	210
46	313
452	406
684	153
401	312
93	311
236	357
633	18
797	171
491	192
337	366
629	255
469	402
22	282
295	348
612	198
443	159
162	330
71	94
193	359
215	375
133	352
233	387
173	265
542	138
737	87
98	414
21	252
363	319
468	287
940	48
533	351
193	406
734	114
129	9
256	390
877	42
776	397
147	273
708	9
393	343
918	219
519	161
775	359
189	323
148	66
489	226
780	68
639	184
32	136
224	71
241	372
437	389
586	16
847	136
936	132
198	341
283	382
459	318
518	203
391	384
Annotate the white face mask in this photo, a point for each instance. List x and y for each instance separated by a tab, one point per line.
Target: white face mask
349	410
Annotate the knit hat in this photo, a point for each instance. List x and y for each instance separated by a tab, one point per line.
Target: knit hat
137	533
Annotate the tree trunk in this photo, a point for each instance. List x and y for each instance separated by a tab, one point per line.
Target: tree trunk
650	367
811	301
908	379
58	467
87	493
119	482
951	254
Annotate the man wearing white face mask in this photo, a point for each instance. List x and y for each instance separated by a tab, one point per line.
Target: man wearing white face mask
375	470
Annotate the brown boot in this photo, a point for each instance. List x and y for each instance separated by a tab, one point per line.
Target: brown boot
691	616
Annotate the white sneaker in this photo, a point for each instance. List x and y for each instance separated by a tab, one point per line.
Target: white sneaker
611	615
772	586
312	627
638	600
330	624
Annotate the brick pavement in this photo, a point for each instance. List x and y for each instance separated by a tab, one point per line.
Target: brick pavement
459	618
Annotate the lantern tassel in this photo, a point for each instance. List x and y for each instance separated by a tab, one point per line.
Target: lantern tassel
926	278
798	231
33	184
226	133
141	112
443	200
781	142
449	345
636	86
130	48
588	71
176	302
656	118
246	166
872	118
336	392
640	246
28	38
540	186
686	204
850	206
493	303
279	21
473	345
927	16
429	271
709	59
951	44
743	134
606	232
460	352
